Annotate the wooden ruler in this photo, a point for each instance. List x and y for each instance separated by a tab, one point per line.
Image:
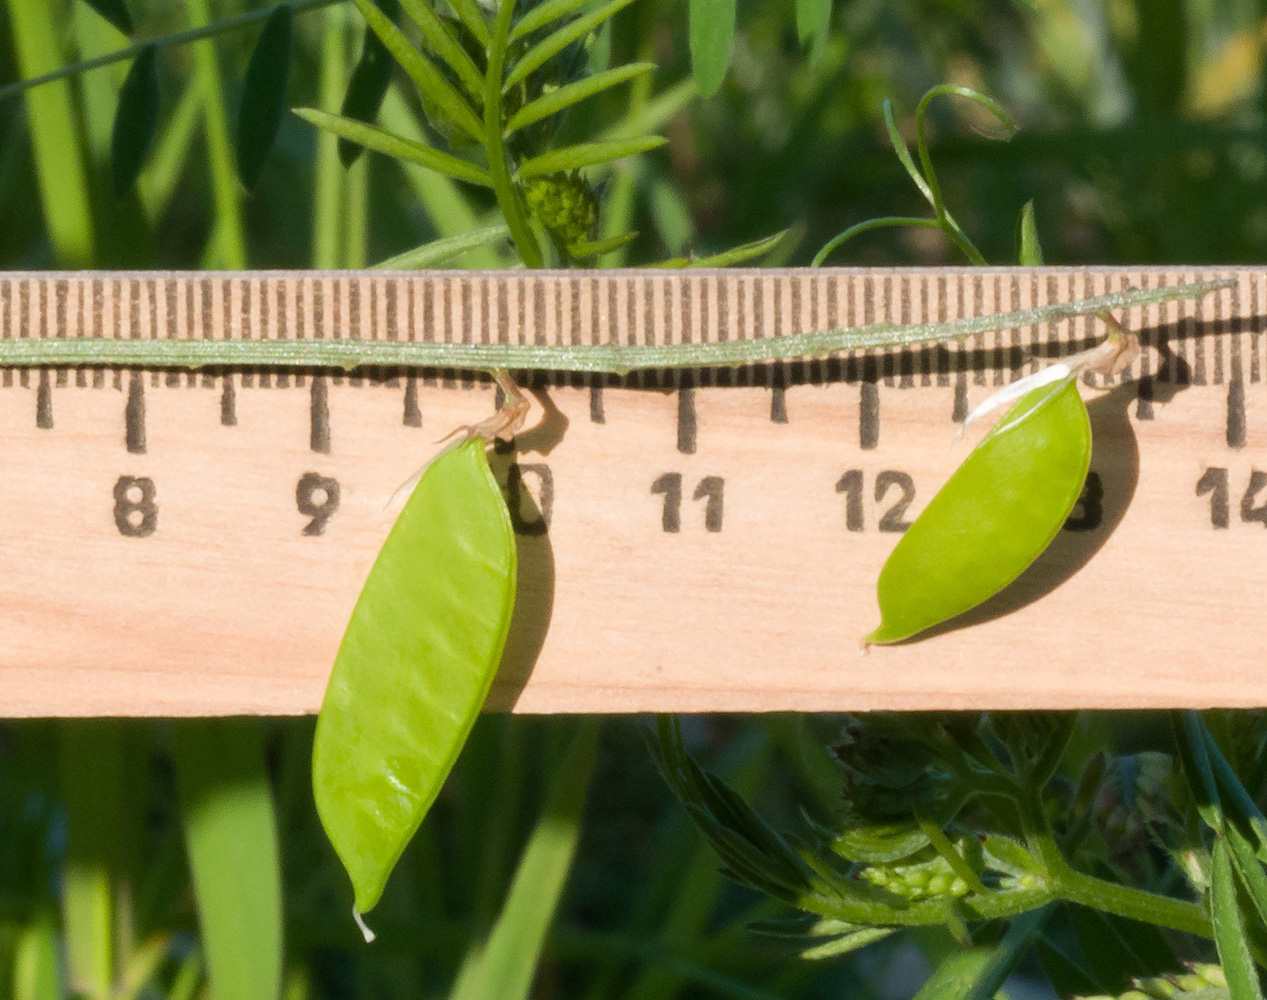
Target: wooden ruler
189	543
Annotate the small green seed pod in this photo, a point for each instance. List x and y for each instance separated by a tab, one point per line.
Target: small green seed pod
995	515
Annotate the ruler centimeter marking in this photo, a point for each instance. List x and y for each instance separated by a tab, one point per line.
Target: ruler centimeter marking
458	307
207	582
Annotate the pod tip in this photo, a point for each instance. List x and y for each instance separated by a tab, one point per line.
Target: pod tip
366	933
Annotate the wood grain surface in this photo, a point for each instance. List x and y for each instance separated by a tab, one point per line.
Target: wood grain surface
192	544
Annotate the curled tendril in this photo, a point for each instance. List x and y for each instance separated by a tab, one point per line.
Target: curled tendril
924	175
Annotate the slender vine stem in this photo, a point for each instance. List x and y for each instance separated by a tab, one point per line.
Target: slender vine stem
614	359
494	128
130	52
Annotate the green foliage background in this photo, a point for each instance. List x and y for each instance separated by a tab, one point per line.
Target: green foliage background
1142	141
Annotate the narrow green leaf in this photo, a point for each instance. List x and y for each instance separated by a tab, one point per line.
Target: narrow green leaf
415	665
444	250
1194	754
264	95
35	967
166	164
586	154
382	141
1249	868
508	966
573	93
468	11
543	14
557	41
114	11
742	253
429	80
813	19
585	248
712	32
1229	928
231	842
367	85
135	120
445	45
1029	251
1238	804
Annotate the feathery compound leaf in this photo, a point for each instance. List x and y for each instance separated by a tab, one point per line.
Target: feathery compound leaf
368	84
114	11
429	80
445	45
586	154
557	41
415	665
441	251
135	121
712	31
264	95
382	141
573	93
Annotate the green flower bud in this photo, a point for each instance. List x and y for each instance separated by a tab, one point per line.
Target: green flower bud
564	204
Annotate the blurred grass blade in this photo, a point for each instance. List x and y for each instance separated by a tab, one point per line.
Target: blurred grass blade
444	250
51	121
654	115
557	41
428	79
35	969
712	31
586	154
978	973
813	20
114	11
742	253
367	86
445	45
135	121
1229	928
93	789
1029	251
544	14
508	965
264	95
383	141
573	93
231	841
227	247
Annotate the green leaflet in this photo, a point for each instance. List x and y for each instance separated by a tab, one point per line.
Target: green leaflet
1230	937
135	121
415	665
995	515
264	95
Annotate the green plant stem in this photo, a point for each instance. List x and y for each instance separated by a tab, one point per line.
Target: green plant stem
327	200
1124	901
615	359
494	127
208	30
